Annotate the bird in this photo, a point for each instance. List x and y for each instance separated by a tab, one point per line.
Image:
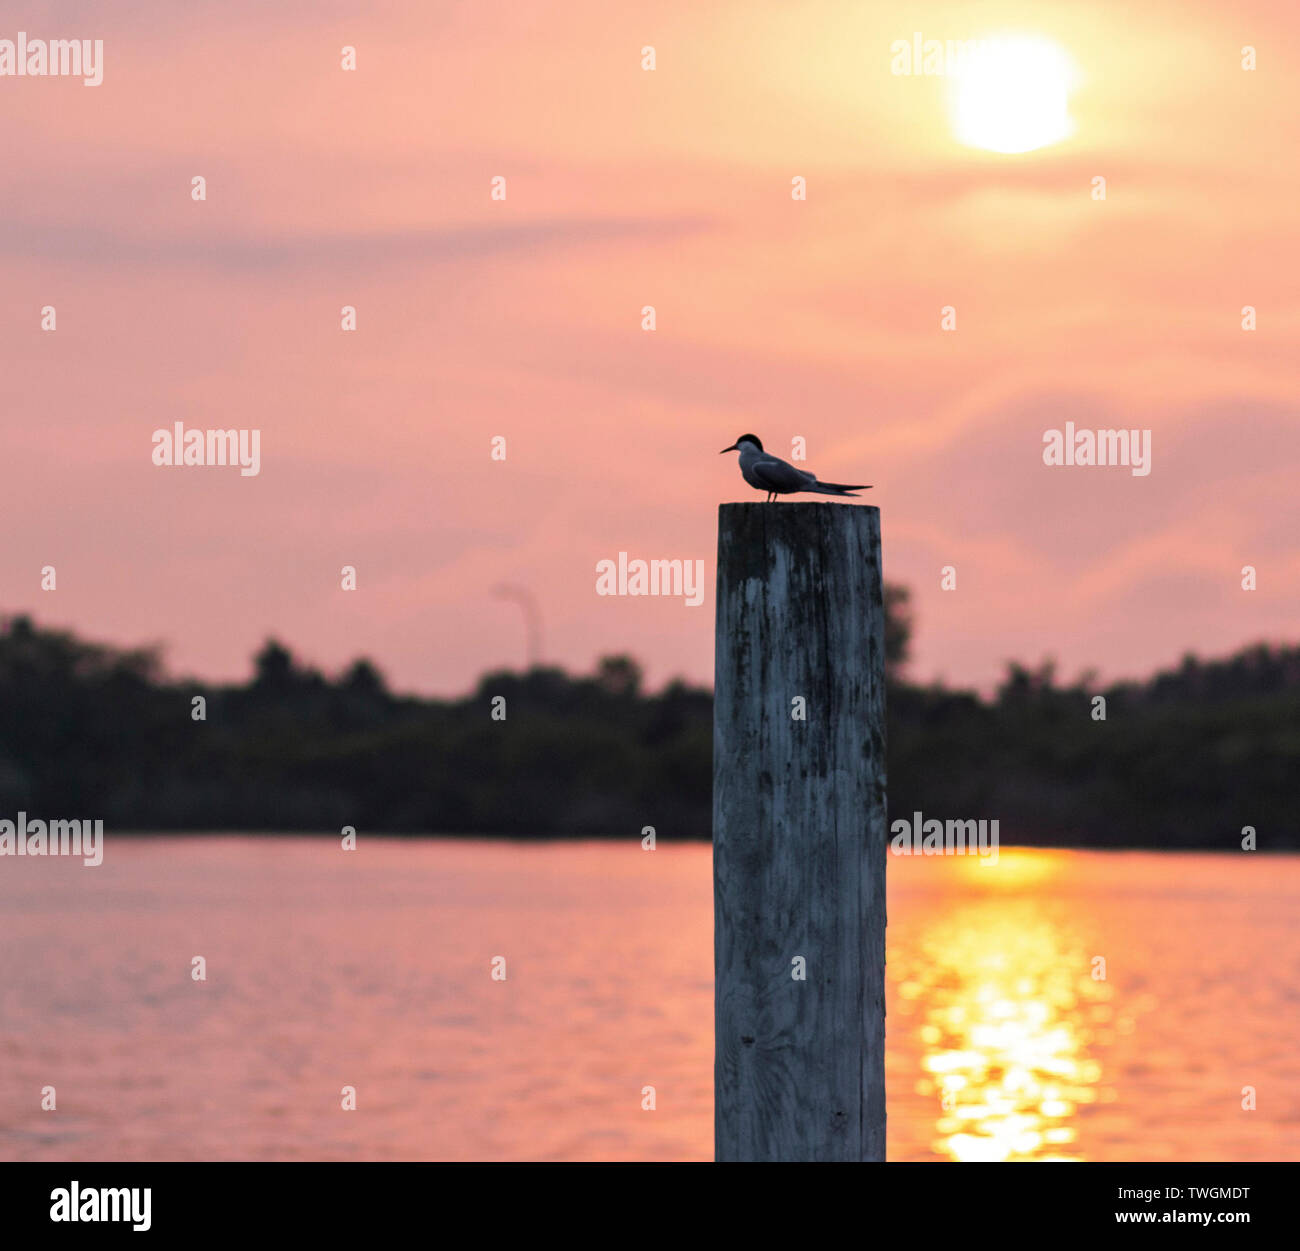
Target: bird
765	472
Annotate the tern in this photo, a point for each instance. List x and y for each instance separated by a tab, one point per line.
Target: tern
765	472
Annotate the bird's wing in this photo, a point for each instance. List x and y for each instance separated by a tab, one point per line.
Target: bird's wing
774	474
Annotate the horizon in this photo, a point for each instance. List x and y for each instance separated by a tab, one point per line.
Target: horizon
1088	678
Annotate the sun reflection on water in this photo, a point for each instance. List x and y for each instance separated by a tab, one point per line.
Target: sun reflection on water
1009	1010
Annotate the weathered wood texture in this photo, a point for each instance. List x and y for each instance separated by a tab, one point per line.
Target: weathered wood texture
799	834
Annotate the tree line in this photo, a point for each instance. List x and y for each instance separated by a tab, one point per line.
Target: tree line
1187	758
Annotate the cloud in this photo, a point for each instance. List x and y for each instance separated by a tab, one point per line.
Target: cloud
84	243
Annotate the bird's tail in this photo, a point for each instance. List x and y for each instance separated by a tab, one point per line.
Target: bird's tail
837	488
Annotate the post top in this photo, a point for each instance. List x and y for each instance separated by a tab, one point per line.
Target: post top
800	504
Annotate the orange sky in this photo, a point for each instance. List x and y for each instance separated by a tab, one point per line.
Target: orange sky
477	318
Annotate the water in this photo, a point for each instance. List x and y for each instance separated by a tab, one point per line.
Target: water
371	969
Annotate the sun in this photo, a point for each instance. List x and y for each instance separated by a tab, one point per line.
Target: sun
1011	93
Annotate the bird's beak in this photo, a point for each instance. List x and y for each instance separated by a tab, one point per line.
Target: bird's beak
732	448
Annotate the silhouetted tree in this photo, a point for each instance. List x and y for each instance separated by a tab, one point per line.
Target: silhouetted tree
98	731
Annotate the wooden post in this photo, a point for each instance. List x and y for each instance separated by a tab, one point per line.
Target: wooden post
799	834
